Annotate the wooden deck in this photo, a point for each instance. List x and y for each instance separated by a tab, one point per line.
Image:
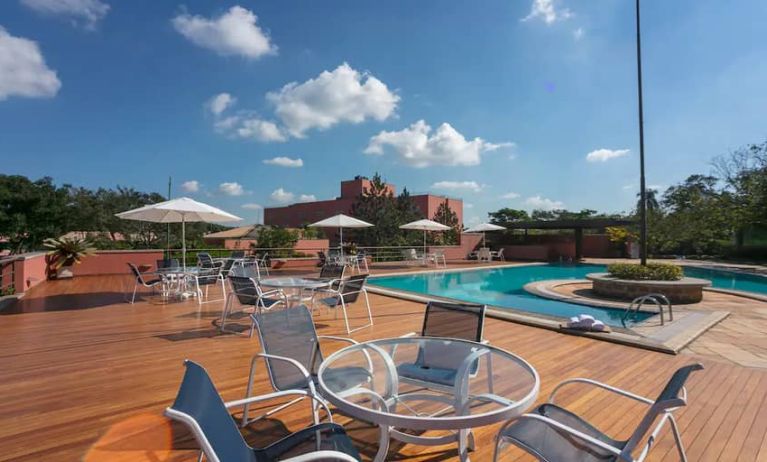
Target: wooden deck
86	376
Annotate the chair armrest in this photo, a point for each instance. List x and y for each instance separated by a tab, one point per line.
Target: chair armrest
272	292
564	428
259	398
322	455
340	339
603	386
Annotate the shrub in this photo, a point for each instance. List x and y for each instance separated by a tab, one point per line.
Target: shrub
653	271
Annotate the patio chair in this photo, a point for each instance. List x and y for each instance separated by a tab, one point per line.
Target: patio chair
410	256
226	268
348	292
438	256
140	281
484	254
497	255
167	263
248	293
207	277
237	254
292	355
204	260
435	367
552	433
199	407
323	259
360	261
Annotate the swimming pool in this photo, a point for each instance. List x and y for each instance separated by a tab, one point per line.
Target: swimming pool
503	287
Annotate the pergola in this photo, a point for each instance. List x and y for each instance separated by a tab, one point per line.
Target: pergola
577	225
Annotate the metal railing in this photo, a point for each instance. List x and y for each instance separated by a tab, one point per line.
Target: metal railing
374	253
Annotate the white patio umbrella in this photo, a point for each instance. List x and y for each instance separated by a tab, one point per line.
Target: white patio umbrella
483	228
181	210
341	221
425	225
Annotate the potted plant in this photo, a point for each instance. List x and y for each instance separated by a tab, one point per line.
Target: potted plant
66	252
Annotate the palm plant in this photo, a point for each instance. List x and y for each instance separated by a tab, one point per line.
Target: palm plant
65	251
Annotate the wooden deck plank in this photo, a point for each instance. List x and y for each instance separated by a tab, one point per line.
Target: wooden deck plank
86	377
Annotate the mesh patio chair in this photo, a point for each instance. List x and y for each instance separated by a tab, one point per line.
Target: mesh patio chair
168	263
347	293
158	281
323	259
207	277
553	434
204	260
292	355
248	293
226	268
436	366
199	407
237	254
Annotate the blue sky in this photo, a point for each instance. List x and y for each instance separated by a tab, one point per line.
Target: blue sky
518	103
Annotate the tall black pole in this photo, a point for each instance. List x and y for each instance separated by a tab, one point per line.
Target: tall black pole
169	183
642	189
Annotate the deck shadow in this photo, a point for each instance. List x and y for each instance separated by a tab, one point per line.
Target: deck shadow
64	302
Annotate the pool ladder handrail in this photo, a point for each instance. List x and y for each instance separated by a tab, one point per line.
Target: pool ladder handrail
658	299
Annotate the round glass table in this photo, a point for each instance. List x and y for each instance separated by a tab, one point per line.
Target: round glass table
296	284
418	384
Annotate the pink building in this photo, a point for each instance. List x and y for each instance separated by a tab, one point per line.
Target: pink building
298	215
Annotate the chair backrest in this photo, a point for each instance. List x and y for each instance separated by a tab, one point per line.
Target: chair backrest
228	265
454	320
248	269
245	288
500	252
332	271
237	254
168	263
199	406
289	333
671	397
322	257
450	320
352	287
136	273
204	259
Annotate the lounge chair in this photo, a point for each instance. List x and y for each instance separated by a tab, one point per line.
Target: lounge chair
199	407
249	294
159	281
347	293
553	434
410	256
438	256
292	355
497	255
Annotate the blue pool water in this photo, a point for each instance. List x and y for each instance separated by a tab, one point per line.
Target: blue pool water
502	287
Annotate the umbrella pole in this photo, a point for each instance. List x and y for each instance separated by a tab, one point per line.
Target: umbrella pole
424	242
483	239
183	240
341	242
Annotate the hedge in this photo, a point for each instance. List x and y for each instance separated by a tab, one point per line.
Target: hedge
652	271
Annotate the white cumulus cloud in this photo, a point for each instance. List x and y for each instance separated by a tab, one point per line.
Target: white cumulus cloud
234	33
542	203
341	95
220	103
307	198
252	206
603	155
511	195
458	185
285	162
418	146
259	129
547	11
90	12
191	186
23	71
282	196
231	189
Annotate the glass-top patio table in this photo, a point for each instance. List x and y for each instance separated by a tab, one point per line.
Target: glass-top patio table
296	284
428	383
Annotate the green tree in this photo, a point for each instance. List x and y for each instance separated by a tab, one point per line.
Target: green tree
31	211
507	215
377	206
447	217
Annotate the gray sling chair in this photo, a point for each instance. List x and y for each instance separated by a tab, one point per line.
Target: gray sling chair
200	408
158	282
333	274
248	293
208	274
347	293
292	355
554	434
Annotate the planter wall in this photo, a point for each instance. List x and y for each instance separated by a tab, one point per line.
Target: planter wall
684	291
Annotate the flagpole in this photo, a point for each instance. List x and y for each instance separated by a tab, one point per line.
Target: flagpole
642	186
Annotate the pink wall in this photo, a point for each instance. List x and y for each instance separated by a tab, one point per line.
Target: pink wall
116	261
429	204
29	270
311	246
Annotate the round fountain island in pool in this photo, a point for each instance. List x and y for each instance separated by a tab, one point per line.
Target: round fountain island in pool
684	291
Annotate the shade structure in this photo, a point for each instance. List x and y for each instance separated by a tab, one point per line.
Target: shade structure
425	225
181	210
341	221
482	228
